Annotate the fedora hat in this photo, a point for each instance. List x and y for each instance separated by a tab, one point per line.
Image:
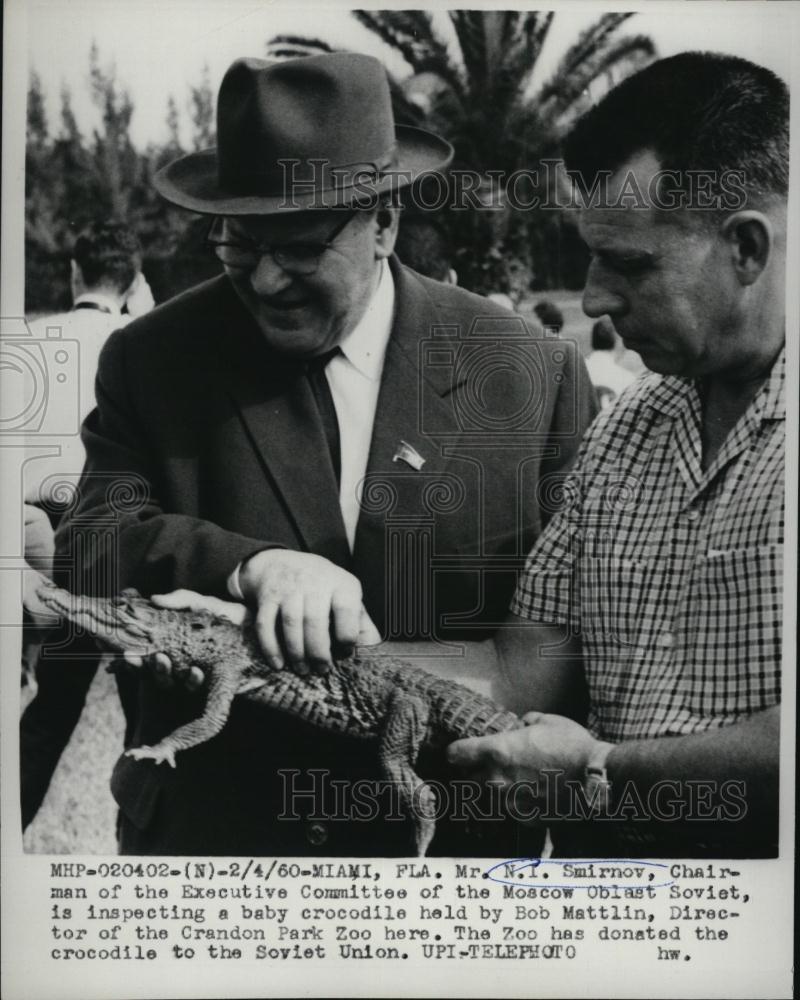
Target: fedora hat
314	132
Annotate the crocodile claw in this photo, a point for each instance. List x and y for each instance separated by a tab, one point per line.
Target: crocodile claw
424	820
157	754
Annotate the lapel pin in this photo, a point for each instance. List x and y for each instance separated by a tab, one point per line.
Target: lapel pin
405	453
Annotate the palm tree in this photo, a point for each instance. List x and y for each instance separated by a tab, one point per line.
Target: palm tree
471	81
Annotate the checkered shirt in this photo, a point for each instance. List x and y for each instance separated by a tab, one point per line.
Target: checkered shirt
671	575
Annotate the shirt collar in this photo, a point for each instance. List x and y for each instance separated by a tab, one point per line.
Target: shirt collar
669	391
98	299
770	402
365	345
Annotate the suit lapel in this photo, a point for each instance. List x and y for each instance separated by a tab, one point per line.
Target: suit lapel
279	415
412	402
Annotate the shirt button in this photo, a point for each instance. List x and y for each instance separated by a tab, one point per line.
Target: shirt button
692	515
666	640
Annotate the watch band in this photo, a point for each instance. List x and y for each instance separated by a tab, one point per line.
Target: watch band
596	783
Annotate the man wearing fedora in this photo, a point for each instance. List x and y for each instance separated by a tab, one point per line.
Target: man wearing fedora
351	449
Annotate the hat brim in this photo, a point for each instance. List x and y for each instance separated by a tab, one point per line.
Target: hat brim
192	181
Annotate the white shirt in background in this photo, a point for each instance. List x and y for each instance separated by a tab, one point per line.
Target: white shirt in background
604	371
71	367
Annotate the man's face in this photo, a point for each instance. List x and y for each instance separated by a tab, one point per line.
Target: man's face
665	279
306	314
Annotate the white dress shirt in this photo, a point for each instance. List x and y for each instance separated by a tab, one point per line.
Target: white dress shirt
70	392
355	380
354	377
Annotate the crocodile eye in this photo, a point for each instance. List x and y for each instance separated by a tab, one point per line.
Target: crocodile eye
197	626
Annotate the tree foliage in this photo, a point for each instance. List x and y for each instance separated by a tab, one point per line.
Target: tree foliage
201	103
72	180
470	80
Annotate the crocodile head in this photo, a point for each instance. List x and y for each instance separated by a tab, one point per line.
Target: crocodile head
127	623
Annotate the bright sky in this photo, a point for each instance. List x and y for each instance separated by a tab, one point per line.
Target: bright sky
159	47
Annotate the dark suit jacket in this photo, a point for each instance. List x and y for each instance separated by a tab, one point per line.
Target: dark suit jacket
205	447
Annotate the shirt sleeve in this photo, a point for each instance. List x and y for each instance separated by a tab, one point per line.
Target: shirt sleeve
548	587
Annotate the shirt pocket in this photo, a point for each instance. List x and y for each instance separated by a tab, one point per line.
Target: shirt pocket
616	606
733	641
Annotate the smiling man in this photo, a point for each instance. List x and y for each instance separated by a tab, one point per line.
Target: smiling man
654	657
305	432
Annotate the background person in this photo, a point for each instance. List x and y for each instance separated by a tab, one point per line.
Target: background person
105	278
423	245
549	315
608	378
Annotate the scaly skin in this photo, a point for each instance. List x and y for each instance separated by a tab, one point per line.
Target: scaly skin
401	706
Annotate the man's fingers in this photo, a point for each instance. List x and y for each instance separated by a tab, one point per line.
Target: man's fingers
487	756
190	600
162	664
469	753
317	630
165	673
162	670
368	634
179	600
532	718
346	614
194	679
266	622
292	625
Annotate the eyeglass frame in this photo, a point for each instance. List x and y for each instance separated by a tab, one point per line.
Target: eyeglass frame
275	250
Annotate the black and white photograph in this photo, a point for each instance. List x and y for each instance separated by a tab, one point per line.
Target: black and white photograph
399	511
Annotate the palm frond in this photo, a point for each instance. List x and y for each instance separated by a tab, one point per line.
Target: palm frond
589	41
412	36
559	94
535	29
292	46
469	29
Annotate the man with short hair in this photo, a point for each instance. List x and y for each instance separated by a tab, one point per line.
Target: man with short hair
549	315
303	433
105	278
105	270
653	664
423	245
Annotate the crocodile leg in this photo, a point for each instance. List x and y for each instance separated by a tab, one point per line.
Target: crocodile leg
402	736
222	686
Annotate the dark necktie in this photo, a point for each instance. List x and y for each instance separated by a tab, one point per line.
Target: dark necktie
315	373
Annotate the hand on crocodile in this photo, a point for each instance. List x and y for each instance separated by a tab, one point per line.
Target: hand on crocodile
307	609
521	760
185	600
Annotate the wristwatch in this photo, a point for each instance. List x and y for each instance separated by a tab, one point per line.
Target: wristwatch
596	783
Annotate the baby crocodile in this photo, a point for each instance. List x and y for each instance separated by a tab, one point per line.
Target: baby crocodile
380	698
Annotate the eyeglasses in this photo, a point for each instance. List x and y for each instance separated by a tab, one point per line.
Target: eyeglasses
296	258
